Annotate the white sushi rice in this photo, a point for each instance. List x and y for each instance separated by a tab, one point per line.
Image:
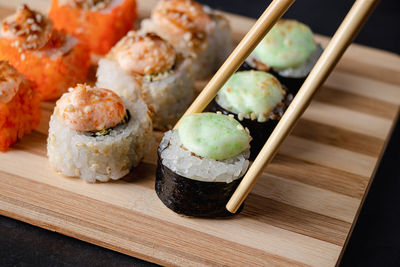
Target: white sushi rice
104	157
168	94
184	163
212	52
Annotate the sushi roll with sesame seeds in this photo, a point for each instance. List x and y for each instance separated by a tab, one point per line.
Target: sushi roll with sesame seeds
255	98
51	59
195	30
100	24
96	135
201	164
288	51
19	106
146	63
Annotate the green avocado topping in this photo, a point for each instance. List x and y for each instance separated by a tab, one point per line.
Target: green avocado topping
287	45
213	135
251	94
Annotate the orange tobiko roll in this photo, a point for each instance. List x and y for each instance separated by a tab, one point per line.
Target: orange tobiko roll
98	23
52	59
19	106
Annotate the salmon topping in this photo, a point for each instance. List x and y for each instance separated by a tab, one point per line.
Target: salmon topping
183	18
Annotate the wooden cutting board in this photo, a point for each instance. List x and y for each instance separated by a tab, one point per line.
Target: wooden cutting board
301	211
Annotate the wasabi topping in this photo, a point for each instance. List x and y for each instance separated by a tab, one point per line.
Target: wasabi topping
287	45
251	94
213	136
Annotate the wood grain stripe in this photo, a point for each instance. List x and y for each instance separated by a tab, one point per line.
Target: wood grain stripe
338	137
365	86
348	119
356	102
307	197
326	155
294	219
319	176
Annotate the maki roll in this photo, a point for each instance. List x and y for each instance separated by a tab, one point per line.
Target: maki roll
95	135
194	30
19	106
98	23
145	63
255	98
201	164
51	59
288	51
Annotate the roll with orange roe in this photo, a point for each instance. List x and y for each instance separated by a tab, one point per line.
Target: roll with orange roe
19	106
50	58
98	23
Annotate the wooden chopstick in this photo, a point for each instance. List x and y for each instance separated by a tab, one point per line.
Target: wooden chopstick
350	26
270	16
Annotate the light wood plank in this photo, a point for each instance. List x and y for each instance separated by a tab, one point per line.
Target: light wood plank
364	86
348	119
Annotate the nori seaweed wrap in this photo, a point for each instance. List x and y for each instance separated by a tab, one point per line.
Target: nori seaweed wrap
201	164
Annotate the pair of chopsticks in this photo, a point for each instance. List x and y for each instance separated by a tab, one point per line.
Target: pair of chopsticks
350	26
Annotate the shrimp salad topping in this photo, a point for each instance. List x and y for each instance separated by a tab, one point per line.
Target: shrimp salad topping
183	18
144	54
89	109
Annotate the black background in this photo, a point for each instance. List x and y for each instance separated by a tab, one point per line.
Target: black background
376	237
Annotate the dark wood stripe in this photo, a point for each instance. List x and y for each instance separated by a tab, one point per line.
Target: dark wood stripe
338	137
295	219
355	102
334	180
124	224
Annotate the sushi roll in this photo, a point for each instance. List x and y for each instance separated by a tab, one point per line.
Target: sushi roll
194	30
288	51
100	24
255	98
19	106
96	135
201	164
51	59
150	65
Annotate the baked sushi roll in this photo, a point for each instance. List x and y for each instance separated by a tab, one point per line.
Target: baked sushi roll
19	106
148	64
51	59
194	30
288	51
255	98
100	24
201	164
95	135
